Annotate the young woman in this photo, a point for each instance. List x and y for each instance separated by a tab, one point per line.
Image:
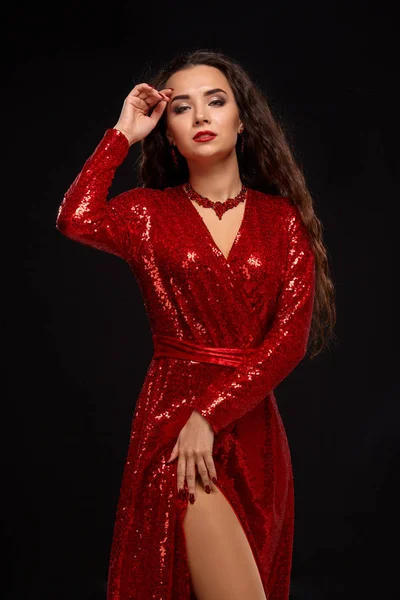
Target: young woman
228	252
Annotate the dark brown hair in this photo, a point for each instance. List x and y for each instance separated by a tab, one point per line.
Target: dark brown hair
268	164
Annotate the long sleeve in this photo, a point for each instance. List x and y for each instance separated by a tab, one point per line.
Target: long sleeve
235	393
86	216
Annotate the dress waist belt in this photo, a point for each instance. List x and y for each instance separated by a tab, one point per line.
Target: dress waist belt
165	345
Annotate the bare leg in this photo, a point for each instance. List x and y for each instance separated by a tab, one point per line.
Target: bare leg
221	562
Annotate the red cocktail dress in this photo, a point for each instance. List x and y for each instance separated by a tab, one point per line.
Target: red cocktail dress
226	332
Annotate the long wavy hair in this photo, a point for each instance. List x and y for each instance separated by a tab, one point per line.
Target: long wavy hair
268	164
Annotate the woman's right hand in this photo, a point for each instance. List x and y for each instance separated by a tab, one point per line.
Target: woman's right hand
134	121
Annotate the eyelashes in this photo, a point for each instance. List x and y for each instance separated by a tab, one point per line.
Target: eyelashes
181	109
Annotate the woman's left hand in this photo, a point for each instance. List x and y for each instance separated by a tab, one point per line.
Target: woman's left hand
194	447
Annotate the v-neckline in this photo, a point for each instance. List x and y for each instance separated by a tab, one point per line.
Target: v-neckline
208	232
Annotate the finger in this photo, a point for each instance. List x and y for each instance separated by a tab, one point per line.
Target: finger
145	90
203	472
140	88
146	100
174	453
167	91
146	94
158	101
181	471
140	103
209	462
161	96
153	96
158	110
191	477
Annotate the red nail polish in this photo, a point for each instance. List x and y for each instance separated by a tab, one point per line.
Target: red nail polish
214	480
207	488
191	498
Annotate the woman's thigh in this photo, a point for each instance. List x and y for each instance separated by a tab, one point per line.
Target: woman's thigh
221	562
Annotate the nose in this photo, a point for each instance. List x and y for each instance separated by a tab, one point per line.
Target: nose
203	119
200	119
200	116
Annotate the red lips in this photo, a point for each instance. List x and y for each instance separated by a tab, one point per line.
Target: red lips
203	133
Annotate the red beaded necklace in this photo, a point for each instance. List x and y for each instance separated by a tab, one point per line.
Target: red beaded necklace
219	207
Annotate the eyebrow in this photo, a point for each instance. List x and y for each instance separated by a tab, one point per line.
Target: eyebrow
187	97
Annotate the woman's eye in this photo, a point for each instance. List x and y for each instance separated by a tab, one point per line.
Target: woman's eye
182	108
220	101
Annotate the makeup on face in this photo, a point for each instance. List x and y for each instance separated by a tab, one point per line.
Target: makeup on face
207	93
216	102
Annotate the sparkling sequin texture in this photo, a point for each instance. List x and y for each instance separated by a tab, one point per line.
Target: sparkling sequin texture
260	298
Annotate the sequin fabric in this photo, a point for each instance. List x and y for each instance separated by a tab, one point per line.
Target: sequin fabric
260	297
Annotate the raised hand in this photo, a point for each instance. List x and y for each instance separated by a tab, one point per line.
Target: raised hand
134	121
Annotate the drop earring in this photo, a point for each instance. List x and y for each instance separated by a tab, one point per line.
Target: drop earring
174	156
242	144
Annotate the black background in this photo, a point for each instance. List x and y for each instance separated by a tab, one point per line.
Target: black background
78	342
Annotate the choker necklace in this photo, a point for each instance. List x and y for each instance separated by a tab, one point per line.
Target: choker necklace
219	207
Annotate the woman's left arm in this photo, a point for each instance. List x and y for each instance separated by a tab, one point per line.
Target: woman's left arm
234	393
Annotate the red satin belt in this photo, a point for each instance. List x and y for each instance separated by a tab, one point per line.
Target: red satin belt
165	345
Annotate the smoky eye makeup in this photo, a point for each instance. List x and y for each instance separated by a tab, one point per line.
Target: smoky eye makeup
215	102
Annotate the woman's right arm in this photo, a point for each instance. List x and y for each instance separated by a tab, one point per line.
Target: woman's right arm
85	215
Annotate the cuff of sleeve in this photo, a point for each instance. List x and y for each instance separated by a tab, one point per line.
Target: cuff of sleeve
114	147
209	418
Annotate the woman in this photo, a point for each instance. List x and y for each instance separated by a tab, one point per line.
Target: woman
223	240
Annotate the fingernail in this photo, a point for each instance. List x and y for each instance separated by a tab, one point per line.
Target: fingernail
214	480
181	494
207	488
191	498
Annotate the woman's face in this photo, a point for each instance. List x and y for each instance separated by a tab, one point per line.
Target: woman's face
199	111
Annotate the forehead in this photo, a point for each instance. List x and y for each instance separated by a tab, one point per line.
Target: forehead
198	77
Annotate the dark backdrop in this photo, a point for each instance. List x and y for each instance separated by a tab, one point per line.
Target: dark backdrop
77	340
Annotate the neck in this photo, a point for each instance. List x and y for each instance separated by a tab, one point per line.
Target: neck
216	181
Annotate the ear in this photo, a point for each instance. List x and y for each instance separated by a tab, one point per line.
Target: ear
241	127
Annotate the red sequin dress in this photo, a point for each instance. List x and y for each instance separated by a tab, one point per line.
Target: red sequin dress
200	306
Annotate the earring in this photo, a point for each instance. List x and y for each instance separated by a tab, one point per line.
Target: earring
174	156
242	144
